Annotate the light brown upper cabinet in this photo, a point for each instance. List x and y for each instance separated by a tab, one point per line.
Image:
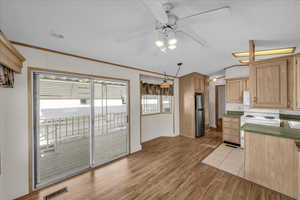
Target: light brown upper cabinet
269	80
199	82
297	82
234	90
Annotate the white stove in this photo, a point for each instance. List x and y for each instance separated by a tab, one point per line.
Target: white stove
262	117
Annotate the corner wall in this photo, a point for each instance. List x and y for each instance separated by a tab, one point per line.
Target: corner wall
212	100
15	165
165	124
2	132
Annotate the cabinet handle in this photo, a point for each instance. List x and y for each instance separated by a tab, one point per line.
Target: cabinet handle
254	99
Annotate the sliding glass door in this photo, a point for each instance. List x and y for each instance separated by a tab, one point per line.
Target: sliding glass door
79	122
111	123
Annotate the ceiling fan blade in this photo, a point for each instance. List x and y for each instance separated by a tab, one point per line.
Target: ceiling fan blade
124	37
129	37
157	10
192	35
222	9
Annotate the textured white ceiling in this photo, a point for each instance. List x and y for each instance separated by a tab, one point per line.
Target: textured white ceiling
100	29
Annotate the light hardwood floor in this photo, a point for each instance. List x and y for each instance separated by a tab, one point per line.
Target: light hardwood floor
166	169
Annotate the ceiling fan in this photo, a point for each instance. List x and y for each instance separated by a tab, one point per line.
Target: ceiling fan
168	25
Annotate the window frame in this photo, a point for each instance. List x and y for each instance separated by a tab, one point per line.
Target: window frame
160	106
154	113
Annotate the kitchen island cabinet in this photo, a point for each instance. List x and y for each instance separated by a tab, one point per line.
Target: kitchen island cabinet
272	158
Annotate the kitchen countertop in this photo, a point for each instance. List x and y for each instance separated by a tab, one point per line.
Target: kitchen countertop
290	117
289	133
232	115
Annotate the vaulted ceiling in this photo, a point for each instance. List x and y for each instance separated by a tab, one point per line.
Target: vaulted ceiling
105	29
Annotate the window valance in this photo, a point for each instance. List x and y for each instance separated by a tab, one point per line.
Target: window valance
155	89
6	77
9	55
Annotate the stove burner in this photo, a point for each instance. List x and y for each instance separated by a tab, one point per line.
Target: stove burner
269	117
249	116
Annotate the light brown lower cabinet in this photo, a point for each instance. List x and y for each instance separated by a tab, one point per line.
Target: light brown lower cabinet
297	82
272	162
231	130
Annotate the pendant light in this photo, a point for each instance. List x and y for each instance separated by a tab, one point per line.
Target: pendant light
165	83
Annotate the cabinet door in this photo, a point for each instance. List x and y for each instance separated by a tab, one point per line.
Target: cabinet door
271	162
269	84
234	91
246	85
199	84
187	107
297	81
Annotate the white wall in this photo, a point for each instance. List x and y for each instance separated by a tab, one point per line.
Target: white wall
2	132
16	135
221	101
2	194
154	126
237	72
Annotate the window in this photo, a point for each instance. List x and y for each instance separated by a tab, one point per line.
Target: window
155	104
166	104
150	104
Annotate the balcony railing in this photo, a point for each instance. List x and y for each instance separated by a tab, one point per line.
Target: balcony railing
59	130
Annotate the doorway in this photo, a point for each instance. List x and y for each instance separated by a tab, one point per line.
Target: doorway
80	122
220	105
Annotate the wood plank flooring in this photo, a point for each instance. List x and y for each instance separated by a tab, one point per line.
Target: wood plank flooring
166	169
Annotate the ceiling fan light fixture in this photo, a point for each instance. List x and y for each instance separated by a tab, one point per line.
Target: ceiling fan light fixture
163	49
172	41
172	47
171	38
159	43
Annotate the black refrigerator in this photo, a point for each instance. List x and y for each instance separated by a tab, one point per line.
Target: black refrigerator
199	114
